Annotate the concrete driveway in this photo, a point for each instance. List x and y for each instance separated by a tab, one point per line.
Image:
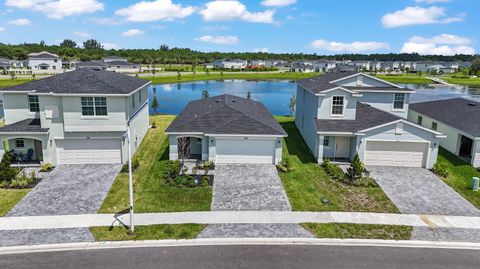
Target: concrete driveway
250	187
68	190
419	191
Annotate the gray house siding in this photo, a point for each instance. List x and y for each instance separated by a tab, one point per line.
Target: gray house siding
306	112
384	101
325	106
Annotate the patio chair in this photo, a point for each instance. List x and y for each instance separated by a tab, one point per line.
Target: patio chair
28	157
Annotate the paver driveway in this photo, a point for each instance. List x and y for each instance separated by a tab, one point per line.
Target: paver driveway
69	189
419	191
250	187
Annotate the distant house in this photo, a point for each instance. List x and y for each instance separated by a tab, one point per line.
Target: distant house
459	119
302	68
69	64
324	65
257	63
226	129
275	63
4	65
230	64
17	64
208	65
123	67
114	59
45	63
91	64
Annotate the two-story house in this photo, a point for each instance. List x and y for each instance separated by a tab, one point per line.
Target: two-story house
45	63
343	113
75	117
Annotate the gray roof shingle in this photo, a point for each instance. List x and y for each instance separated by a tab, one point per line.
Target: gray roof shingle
366	117
83	81
459	113
24	126
226	114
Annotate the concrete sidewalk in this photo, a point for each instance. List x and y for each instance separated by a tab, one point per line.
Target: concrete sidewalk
237	217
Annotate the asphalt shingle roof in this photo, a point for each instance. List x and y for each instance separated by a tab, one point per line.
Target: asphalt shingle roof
321	83
83	81
391	88
366	117
459	113
24	126
226	114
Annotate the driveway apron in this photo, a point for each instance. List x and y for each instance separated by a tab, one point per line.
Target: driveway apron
250	187
67	190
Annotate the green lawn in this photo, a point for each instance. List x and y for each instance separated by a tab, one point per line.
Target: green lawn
218	76
151	193
405	79
150	232
460	174
308	184
360	231
9	198
463	81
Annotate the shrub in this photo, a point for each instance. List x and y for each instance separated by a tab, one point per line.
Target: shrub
135	166
357	169
206	165
7	173
154	124
22	180
285	166
333	170
46	167
441	169
172	170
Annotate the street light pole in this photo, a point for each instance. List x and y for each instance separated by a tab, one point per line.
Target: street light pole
130	178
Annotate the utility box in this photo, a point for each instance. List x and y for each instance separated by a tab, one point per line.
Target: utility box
475	183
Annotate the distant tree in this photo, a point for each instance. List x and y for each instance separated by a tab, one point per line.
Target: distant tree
92	44
205	93
293	104
179	75
42	43
249	95
164	47
155	104
68	43
475	65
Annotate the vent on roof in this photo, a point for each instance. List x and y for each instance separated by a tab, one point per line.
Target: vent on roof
218	101
96	69
233	101
472	104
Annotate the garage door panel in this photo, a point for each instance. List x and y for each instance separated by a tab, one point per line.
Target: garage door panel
409	154
88	151
245	151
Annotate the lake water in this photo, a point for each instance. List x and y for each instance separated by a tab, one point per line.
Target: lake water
172	98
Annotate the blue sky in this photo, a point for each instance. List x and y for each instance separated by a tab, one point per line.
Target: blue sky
322	26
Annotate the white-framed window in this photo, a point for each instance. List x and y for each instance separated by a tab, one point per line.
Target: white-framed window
434	125
19	143
337	105
94	106
33	103
326	141
420	120
399	101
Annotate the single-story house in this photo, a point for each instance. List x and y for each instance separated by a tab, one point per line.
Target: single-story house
226	129
459	119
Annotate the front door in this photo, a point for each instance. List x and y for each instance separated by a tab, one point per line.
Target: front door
341	146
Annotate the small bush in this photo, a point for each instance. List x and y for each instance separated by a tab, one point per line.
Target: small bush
441	169
154	125
333	170
135	166
357	169
22	180
285	166
7	173
46	167
206	165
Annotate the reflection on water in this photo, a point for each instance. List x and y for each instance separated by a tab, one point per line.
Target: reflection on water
172	98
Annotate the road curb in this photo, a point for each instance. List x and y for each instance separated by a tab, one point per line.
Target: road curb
238	241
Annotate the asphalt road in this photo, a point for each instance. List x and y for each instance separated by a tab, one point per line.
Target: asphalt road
255	256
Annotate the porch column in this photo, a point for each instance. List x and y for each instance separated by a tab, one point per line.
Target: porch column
320	149
172	148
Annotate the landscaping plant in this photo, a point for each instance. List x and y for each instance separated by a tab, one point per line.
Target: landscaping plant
285	166
7	173
135	166
441	169
357	174
332	169
46	167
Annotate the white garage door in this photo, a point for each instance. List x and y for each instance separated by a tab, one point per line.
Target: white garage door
245	151
78	151
408	154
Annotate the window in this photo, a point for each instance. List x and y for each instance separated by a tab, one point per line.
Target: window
54	67
33	103
19	143
326	141
434	126
420	120
337	105
399	101
94	106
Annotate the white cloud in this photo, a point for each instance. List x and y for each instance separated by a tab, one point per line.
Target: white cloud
278	3
224	40
109	46
2	30
432	1
418	15
132	32
82	34
58	9
157	10
265	50
106	21
234	10
20	22
354	47
444	44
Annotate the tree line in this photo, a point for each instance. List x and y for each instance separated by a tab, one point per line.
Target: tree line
93	50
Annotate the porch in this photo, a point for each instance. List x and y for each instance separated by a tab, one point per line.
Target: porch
190	149
338	149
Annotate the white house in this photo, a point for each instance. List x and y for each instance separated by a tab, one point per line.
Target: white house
231	64
302	68
226	129
45	63
256	63
75	117
324	65
109	59
459	119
